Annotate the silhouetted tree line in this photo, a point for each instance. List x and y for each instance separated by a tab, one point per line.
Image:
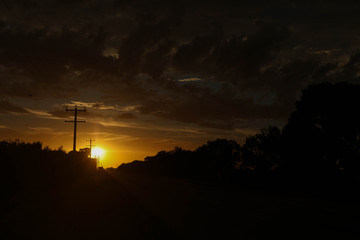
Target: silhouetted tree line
318	148
29	166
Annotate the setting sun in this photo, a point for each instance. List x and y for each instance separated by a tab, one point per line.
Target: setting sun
97	152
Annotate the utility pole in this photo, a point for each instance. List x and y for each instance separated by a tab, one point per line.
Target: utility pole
91	145
76	111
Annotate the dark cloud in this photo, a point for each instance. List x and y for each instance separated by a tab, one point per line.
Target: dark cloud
237	58
253	57
126	115
7	107
220	109
37	61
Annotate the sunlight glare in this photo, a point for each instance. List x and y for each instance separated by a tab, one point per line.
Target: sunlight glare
97	152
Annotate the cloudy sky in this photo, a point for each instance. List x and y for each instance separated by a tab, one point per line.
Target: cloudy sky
159	74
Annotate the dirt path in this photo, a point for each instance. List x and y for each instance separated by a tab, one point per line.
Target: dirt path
205	211
115	205
92	208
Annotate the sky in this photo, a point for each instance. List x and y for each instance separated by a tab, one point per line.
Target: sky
158	74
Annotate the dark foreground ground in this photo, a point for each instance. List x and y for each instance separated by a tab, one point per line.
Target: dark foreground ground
114	205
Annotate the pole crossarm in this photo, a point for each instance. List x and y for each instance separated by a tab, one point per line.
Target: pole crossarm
75	109
75	121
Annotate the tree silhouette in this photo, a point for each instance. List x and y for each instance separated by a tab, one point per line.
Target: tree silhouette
218	158
215	160
322	136
261	152
30	166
